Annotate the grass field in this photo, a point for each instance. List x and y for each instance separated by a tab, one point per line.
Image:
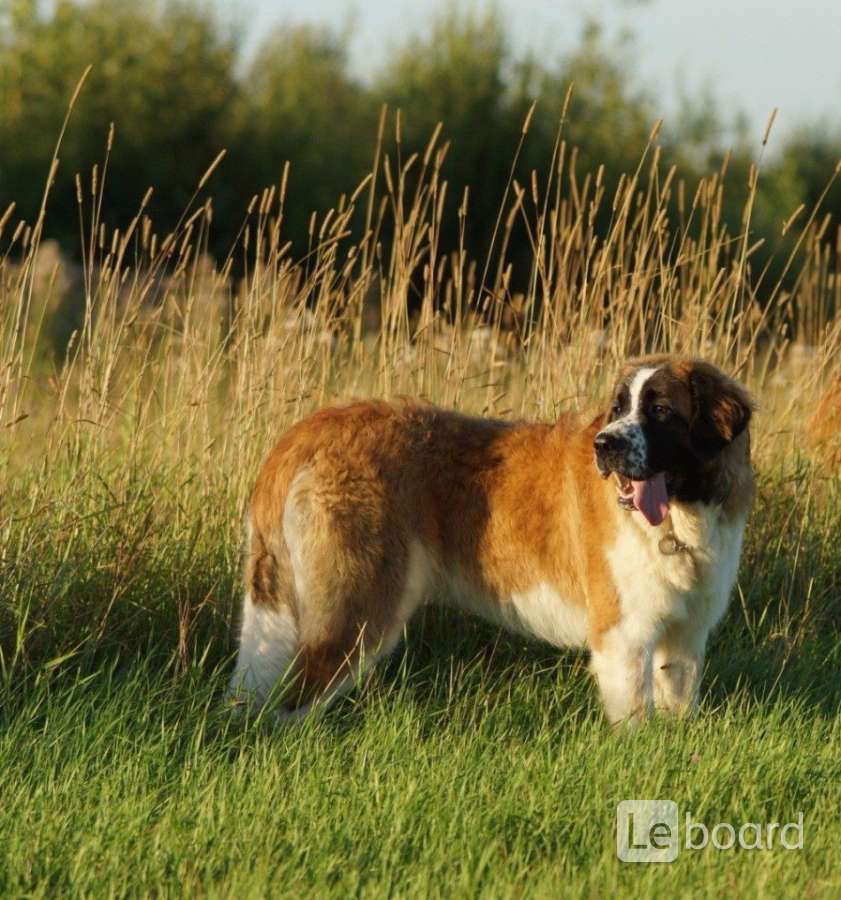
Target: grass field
473	763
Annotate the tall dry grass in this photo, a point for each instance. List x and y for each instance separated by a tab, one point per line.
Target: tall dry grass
127	460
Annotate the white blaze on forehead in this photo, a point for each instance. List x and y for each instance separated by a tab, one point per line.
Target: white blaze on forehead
641	376
633	416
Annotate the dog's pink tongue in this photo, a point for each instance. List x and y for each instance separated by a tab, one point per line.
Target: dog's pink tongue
651	499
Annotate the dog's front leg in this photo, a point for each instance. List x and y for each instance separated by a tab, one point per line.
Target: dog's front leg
622	667
677	666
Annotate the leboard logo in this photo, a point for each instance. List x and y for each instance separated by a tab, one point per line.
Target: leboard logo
647	831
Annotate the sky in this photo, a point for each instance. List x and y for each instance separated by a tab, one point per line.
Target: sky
753	55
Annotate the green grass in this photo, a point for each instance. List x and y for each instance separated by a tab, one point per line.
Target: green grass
472	763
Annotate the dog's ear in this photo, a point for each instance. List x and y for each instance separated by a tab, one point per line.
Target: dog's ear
721	409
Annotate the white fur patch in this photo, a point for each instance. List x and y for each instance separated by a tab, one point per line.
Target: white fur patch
418	577
267	649
542	612
641	376
539	612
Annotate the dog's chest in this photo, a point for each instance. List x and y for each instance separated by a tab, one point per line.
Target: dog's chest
683	570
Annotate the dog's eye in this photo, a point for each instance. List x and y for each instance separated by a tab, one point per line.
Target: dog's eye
617	409
661	411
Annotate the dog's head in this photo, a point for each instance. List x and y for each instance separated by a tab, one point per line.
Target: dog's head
669	422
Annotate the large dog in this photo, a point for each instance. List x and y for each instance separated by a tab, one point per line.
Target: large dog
622	535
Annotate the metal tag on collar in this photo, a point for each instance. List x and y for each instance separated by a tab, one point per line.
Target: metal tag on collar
670	545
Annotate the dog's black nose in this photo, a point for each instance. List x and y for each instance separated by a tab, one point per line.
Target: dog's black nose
606	442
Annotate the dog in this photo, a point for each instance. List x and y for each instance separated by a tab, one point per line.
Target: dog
621	535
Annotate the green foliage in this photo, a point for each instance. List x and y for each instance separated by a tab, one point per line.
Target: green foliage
812	153
609	119
172	78
300	105
457	75
163	73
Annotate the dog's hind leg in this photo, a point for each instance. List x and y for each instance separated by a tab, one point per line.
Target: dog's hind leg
267	649
358	579
269	640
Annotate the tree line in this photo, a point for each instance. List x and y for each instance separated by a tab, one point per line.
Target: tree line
173	79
